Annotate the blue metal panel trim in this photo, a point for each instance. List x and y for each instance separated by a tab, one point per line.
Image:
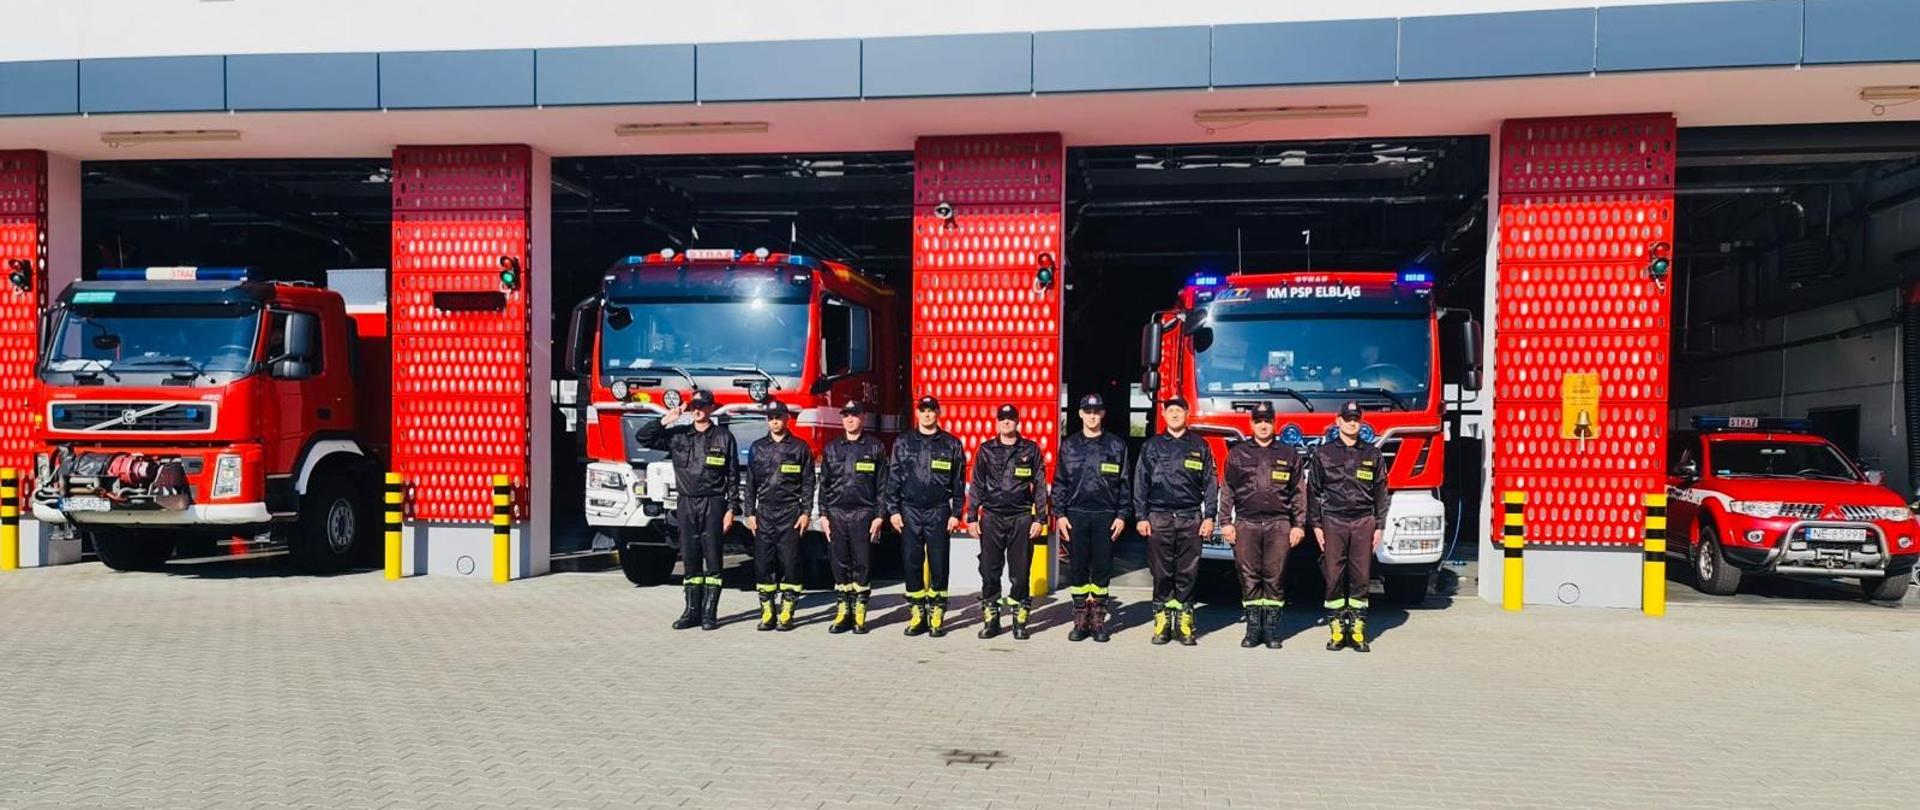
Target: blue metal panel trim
442	79
1699	35
1329	52
1862	31
153	84
958	65
779	71
1474	46
1122	59
637	74
304	81
40	88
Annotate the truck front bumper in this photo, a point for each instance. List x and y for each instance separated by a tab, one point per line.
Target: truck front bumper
624	496
225	514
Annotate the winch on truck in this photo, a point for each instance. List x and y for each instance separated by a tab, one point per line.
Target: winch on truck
748	327
1306	342
191	404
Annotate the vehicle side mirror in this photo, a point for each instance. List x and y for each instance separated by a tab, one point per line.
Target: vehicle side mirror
1150	384
1194	320
580	332
300	332
1465	340
1687	469
1876	477
1202	339
821	386
619	317
1150	343
292	368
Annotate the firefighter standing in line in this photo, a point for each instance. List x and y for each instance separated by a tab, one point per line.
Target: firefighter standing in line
1174	490
1348	507
1008	507
1263	505
778	497
852	471
706	472
926	495
1091	497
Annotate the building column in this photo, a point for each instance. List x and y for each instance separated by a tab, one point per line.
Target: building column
39	256
469	308
1580	332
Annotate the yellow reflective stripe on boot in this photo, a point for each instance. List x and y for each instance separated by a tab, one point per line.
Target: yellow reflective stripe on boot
937	617
764	587
1359	631
1174	604
1334	604
1098	590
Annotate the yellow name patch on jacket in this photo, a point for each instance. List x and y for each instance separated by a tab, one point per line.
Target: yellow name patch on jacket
942	465
716	461
1282	475
1195	464
1023	472
863	466
1110	468
1364	475
790	468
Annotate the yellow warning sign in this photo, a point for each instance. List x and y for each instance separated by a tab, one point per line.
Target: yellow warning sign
1580	406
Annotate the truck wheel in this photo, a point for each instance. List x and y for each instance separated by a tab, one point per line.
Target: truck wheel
333	524
1711	572
1892	590
646	565
1406	589
132	551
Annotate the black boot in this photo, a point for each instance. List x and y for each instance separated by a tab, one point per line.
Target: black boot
690	616
1162	623
1359	629
789	602
937	616
916	616
989	620
710	617
1187	637
1273	624
842	612
1097	612
1021	613
859	612
766	611
1082	619
1256	625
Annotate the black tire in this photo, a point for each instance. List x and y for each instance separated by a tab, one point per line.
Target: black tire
1406	589
647	565
334	528
1711	572
123	550
1891	590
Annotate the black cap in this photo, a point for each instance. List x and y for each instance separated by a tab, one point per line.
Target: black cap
777	409
927	404
1263	412
1093	402
1174	402
853	409
701	400
1350	410
1007	412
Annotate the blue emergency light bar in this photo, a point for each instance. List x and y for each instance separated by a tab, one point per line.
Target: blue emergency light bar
173	274
1770	424
666	255
1205	280
1416	277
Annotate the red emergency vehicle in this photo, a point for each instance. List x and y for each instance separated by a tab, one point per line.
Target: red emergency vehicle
183	404
1754	495
1306	342
747	326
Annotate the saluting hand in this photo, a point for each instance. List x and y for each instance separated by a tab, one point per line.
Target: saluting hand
672	415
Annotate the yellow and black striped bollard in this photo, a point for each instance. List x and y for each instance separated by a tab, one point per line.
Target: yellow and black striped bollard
1653	573
395	498
9	519
1513	541
502	529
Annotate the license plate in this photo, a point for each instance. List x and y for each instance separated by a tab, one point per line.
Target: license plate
85	504
1842	535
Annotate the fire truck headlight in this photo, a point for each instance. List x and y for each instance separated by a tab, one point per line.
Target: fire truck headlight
620	390
1424	524
604	479
1759	509
1896	513
672	398
226	476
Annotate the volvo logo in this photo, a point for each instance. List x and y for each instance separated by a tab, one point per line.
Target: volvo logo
128	416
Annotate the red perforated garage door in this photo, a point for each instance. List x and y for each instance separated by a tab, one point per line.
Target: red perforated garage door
23	238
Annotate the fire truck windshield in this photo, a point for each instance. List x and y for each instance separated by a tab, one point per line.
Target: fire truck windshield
1386	360
702	337
179	340
1790	459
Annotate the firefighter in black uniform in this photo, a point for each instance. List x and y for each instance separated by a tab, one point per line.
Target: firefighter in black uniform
778	498
853	469
1174	494
1264	506
1348	507
1092	501
1008	507
925	497
706	466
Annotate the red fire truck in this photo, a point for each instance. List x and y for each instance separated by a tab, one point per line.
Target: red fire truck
748	327
184	404
1766	496
1306	342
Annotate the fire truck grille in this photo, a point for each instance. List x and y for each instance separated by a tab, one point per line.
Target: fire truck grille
131	416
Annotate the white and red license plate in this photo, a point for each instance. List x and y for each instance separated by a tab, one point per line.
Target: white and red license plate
85	503
1837	535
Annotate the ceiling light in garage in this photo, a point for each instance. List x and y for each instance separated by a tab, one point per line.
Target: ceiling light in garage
694	128
138	136
1245	115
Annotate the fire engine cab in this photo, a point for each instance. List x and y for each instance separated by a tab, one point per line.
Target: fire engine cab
748	327
1757	495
